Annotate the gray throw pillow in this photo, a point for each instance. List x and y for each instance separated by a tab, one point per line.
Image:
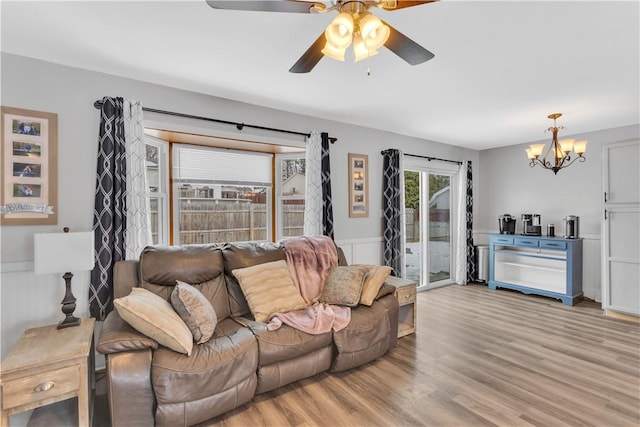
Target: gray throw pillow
343	285
195	310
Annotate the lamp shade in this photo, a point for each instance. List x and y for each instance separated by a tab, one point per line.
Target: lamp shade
334	52
580	147
340	32
374	33
360	50
63	252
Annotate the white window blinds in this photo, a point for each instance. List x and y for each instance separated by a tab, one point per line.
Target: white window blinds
202	164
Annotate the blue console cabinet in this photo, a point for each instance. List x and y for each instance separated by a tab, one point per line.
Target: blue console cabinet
549	266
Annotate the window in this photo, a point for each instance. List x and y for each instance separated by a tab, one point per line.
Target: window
290	184
158	178
220	195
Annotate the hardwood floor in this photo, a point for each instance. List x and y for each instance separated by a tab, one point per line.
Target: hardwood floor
480	357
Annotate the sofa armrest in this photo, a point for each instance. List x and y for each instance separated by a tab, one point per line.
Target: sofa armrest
117	336
131	398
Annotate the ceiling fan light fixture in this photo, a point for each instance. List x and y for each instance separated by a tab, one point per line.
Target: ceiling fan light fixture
334	52
374	32
340	32
360	50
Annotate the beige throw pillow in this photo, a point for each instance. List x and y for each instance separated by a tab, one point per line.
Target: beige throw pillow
154	317
196	311
343	285
269	289
373	281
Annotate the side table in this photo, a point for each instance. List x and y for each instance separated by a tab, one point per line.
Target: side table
406	295
49	365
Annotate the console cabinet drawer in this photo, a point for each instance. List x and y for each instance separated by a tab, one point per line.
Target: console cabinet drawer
527	242
553	244
502	240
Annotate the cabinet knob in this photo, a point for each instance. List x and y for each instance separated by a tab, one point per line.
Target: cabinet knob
44	387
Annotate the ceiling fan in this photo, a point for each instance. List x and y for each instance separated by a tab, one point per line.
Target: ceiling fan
354	25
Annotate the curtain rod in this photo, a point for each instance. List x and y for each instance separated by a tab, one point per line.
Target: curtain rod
239	126
427	157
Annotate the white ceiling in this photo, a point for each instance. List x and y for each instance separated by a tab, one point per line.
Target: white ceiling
500	67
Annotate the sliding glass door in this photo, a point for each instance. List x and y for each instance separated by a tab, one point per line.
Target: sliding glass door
429	232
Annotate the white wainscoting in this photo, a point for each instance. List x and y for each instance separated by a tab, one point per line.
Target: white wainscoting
591	261
362	251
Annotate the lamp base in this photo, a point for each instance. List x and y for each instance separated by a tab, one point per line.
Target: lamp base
68	305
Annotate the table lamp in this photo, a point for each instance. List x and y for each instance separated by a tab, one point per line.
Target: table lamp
64	252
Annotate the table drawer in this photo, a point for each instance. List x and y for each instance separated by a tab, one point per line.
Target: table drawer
38	387
553	244
527	242
502	240
406	295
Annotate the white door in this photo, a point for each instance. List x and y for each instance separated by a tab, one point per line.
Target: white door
621	228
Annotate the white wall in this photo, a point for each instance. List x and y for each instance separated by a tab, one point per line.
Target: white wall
508	185
27	300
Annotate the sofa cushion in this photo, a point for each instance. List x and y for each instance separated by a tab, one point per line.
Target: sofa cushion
202	266
343	285
373	281
215	366
285	342
241	255
154	317
269	289
195	310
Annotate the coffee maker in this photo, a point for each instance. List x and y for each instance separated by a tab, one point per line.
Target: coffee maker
571	227
507	224
531	225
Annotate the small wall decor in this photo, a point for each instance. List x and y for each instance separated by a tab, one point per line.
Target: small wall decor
29	158
358	186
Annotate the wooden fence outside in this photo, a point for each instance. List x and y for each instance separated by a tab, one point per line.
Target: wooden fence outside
208	220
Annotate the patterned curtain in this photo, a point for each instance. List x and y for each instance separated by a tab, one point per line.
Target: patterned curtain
138	230
109	215
393	210
313	205
471	249
327	203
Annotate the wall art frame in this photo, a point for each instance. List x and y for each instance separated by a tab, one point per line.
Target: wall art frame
358	185
29	159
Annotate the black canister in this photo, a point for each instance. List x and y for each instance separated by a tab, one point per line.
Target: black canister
551	230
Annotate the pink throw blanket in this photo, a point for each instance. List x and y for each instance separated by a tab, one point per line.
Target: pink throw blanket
309	259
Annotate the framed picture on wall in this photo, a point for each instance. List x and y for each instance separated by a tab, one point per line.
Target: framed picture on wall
29	158
358	186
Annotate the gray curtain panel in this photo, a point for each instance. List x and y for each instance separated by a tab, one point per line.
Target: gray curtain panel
327	203
392	210
471	249
109	215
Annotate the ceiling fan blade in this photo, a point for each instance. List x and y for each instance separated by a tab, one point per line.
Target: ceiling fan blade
311	57
402	4
406	48
291	6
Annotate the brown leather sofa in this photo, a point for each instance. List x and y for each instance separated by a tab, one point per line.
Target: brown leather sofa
150	384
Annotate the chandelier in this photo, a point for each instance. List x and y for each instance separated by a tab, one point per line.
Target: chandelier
355	25
560	150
